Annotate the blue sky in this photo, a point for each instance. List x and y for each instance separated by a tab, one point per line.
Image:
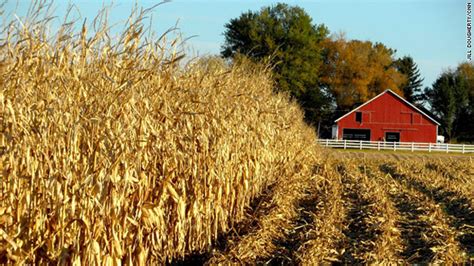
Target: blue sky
432	32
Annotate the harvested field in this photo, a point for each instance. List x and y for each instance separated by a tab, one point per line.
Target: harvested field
367	211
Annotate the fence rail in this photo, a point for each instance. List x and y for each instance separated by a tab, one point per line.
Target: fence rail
397	146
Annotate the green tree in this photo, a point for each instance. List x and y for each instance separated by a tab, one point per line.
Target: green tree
448	100
286	36
412	86
464	123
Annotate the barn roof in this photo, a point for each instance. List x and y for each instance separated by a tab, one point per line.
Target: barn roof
396	95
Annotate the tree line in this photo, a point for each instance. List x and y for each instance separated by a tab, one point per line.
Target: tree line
330	75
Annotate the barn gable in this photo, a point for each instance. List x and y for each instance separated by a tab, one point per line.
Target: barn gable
387	117
388	91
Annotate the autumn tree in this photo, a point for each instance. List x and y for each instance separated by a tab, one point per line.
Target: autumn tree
355	71
286	36
412	87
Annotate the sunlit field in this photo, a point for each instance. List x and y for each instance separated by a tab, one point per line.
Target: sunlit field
116	151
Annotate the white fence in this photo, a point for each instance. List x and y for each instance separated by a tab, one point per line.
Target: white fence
397	146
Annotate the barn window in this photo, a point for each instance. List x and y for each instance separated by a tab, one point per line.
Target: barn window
359	117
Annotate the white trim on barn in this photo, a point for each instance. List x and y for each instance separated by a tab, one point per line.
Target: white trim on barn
398	96
334	131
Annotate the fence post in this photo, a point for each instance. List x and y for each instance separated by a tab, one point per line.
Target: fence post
378	145
360	144
345	143
394	146
463	148
412	147
429	148
447	148
327	142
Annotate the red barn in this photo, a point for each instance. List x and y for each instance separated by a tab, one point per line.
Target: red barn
387	117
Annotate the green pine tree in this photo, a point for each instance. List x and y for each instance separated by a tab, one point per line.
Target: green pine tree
444	98
413	84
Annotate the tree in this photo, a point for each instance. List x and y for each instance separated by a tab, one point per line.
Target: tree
355	71
286	36
442	99
451	97
412	86
464	124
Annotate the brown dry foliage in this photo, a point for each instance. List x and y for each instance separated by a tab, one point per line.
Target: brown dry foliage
357	71
111	150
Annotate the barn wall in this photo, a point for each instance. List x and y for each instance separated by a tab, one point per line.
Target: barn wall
388	113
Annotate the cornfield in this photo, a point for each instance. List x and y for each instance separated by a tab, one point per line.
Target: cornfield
114	151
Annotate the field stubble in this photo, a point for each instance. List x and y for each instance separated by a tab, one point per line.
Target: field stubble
368	211
375	211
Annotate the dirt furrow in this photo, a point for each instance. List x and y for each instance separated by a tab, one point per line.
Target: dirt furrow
388	245
452	199
305	229
425	227
296	236
258	208
360	234
262	243
456	207
413	230
322	241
